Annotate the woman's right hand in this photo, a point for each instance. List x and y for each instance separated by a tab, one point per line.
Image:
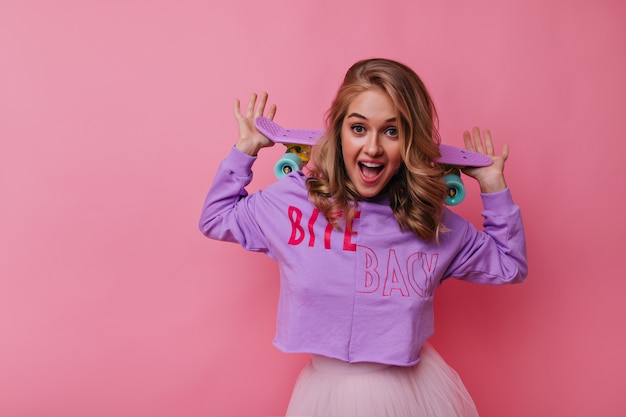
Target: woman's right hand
250	139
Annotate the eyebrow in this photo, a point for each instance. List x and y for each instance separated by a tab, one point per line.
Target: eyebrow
360	116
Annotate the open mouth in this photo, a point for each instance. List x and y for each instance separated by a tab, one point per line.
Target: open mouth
370	170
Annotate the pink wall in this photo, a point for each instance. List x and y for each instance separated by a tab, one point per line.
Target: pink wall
113	116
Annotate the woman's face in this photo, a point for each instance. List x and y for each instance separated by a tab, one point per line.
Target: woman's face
369	142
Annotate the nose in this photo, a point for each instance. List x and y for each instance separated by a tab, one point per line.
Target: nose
372	145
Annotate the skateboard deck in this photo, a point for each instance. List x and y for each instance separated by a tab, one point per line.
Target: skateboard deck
279	134
300	141
459	157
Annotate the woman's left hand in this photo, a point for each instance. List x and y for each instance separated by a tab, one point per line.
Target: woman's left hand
491	178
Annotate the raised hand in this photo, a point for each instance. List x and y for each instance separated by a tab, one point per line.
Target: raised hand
491	178
250	139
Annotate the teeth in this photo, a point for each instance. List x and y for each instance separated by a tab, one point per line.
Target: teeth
371	164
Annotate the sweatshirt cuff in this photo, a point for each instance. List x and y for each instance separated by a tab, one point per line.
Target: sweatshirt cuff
239	163
498	200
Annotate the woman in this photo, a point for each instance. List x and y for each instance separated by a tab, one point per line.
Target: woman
362	242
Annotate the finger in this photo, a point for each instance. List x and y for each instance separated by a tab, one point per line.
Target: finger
505	151
251	105
478	140
261	107
272	112
488	143
467	138
237	109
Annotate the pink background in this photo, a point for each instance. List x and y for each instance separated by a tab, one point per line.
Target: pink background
114	115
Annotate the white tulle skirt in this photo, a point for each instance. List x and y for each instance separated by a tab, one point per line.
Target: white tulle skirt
332	388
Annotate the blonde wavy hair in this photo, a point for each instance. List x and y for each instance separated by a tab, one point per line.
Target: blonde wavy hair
416	192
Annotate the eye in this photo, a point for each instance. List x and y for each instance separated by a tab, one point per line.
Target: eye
391	131
358	129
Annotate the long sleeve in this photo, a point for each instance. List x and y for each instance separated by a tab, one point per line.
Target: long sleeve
228	212
497	254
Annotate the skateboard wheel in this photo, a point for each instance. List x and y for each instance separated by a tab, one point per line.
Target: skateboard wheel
288	163
456	189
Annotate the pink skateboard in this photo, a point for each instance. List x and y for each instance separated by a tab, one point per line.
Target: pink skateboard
300	141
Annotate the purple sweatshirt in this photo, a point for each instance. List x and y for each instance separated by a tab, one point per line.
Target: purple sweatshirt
363	293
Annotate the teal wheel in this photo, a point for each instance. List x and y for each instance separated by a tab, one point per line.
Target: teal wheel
288	163
456	189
